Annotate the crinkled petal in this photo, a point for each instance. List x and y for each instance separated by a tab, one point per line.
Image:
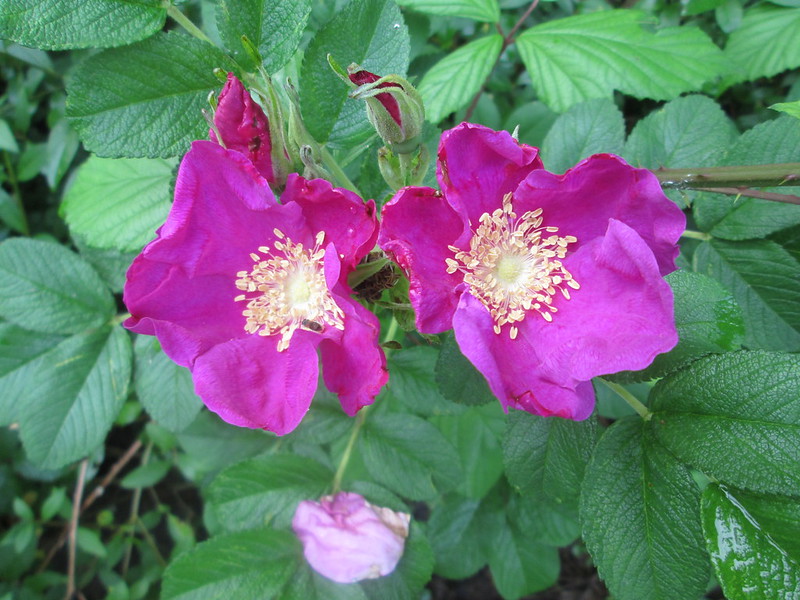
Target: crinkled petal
581	201
181	287
247	382
243	126
513	369
348	222
417	227
620	318
478	166
354	366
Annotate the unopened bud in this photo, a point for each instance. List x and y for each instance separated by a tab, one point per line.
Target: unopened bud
394	107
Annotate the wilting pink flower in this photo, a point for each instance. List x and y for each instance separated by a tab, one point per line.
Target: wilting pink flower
243	126
548	280
243	290
347	539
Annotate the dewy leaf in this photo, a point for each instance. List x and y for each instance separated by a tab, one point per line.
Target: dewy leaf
480	10
748	562
547	457
589	56
586	128
265	490
118	203
60	24
145	100
370	33
275	27
731	218
409	456
73	395
778	516
45	287
640	518
708	320
765	281
453	81
692	131
164	388
246	564
736	417
766	42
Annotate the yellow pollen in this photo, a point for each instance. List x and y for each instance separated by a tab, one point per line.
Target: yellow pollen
513	265
286	291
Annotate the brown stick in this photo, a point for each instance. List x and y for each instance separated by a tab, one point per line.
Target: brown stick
73	528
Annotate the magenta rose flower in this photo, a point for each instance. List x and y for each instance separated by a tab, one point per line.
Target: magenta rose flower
242	290
243	126
347	539
547	280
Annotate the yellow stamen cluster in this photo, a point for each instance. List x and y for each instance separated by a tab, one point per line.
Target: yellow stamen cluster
286	291
514	266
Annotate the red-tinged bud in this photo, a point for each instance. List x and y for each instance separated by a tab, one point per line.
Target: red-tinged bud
394	107
240	124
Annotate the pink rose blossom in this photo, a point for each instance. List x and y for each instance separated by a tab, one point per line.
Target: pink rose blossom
243	126
347	539
548	280
242	290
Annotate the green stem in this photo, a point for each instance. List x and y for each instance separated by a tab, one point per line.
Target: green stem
342	180
746	176
634	403
696	235
360	418
348	451
184	22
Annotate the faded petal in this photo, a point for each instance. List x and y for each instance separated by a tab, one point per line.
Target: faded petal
417	227
346	539
478	166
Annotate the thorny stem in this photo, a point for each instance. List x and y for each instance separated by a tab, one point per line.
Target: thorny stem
360	418
748	193
73	528
744	176
640	408
184	22
507	41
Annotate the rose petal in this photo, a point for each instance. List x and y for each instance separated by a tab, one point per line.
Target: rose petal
243	126
416	228
478	166
247	382
581	201
347	221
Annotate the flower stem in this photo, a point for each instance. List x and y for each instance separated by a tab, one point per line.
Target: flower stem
743	176
348	451
696	235
341	177
184	22
634	403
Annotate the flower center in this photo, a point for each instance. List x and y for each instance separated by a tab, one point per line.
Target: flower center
286	291
513	265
